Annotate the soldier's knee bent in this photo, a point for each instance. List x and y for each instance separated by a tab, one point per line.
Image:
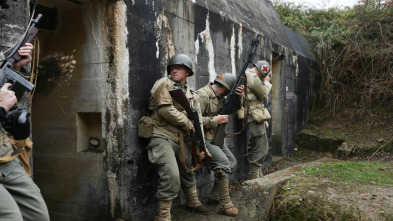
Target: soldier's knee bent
221	174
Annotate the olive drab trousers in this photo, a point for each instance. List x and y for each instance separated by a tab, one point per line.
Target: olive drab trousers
222	158
20	198
166	155
259	145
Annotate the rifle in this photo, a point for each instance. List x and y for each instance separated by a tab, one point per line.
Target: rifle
198	139
231	101
9	75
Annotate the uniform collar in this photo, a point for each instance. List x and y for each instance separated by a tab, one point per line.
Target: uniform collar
212	92
178	84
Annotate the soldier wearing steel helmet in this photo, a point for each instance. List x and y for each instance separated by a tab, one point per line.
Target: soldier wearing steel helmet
169	120
258	89
222	162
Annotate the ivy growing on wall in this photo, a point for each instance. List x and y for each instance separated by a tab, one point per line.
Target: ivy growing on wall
354	50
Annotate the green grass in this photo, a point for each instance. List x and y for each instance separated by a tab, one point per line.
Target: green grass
364	172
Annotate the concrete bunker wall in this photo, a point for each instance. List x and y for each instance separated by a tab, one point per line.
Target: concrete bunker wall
69	110
217	41
89	162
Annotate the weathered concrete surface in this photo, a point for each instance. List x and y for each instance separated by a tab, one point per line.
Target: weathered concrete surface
254	198
72	177
313	141
121	48
13	22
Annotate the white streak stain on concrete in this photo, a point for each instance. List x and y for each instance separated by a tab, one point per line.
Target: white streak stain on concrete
122	60
113	190
294	58
222	15
240	41
14	26
233	51
161	18
124	65
206	37
118	96
196	43
158	34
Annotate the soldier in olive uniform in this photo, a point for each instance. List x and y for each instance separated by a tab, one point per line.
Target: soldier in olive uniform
20	198
258	89
222	162
169	121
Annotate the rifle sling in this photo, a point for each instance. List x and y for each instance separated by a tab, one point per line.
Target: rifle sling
183	157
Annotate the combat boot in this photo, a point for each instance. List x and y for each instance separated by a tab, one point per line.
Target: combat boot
214	197
193	202
226	205
255	171
164	210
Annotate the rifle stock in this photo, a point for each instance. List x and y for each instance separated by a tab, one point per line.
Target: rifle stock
198	138
231	101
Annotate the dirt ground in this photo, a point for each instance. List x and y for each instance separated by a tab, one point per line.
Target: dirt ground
372	137
319	198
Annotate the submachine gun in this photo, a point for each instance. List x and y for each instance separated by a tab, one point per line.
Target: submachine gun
17	122
231	102
195	141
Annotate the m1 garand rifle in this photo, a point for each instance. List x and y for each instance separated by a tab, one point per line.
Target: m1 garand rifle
9	75
195	141
232	102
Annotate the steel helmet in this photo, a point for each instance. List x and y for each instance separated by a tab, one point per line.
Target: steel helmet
227	80
180	59
263	67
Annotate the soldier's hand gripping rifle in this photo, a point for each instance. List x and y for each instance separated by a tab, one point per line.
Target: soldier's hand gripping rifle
9	75
17	122
195	141
231	102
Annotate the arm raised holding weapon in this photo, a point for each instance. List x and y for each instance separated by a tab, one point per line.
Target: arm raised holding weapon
10	67
232	102
222	162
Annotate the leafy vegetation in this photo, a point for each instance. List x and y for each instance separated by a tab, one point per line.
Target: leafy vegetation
354	50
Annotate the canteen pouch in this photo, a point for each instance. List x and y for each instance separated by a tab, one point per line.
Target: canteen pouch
145	127
260	114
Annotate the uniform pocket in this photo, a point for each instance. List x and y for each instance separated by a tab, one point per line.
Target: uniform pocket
157	151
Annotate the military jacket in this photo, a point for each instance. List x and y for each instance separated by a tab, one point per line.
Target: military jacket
169	116
5	146
257	91
211	104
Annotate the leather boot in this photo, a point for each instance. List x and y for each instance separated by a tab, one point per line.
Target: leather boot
164	210
193	202
255	171
226	205
214	197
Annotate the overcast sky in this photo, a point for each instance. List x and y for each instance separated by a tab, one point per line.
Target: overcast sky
323	4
